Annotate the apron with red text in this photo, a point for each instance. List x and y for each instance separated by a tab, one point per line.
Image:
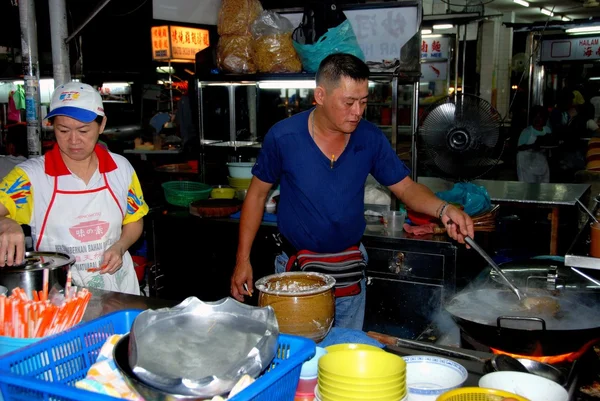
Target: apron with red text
85	224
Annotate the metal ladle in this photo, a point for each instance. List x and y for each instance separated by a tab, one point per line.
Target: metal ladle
471	242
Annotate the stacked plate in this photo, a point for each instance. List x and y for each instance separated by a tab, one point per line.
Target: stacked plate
239	183
361	374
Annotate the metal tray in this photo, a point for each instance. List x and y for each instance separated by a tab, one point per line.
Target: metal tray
202	349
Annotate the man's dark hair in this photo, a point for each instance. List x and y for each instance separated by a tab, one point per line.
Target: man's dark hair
338	65
17	137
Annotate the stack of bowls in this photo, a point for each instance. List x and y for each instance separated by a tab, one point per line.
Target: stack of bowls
239	183
361	375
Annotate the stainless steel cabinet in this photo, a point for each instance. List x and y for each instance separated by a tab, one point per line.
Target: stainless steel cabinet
408	281
237	111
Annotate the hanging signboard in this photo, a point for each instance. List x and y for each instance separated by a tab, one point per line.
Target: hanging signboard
177	43
571	49
435	48
381	32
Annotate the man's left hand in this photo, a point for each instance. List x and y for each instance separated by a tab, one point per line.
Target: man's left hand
458	224
113	259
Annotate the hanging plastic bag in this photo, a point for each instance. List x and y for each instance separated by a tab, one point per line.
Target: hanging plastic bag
340	39
273	46
236	16
474	198
234	54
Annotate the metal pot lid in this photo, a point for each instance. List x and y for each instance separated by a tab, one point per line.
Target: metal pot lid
41	260
542	273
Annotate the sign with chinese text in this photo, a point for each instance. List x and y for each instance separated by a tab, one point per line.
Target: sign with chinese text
381	32
435	48
571	49
177	43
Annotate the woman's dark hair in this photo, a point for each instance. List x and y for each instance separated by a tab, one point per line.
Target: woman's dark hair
338	65
98	120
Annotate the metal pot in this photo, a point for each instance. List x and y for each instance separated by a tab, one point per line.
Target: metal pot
30	274
496	318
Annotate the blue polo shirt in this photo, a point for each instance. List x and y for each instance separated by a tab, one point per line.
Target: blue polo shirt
321	209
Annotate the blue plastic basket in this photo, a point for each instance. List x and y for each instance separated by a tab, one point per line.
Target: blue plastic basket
49	368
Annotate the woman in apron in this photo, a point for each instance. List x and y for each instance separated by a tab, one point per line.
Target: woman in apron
78	198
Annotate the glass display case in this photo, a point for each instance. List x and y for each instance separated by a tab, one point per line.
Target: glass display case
236	113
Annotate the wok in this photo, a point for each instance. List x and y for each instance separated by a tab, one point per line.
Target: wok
495	318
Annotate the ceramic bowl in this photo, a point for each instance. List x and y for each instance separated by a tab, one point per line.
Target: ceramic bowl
222	193
304	302
530	386
240	170
428	377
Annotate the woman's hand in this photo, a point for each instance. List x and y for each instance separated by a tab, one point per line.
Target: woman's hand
113	259
12	242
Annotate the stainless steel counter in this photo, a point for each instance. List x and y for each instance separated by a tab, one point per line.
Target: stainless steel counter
514	193
519	192
104	302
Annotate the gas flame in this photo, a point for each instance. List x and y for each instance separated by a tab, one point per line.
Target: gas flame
553	359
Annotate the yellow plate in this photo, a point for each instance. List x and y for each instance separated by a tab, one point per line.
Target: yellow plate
349	396
351	347
364	365
365	384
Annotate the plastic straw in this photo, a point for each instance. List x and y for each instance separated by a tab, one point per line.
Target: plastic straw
21	317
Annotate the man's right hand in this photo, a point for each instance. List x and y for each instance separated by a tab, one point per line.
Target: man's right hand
242	274
12	242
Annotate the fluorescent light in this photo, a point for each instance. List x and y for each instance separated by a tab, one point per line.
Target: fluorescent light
584	29
594	78
565	18
287	84
165	70
432	36
546	12
425	31
522	3
443	26
586	33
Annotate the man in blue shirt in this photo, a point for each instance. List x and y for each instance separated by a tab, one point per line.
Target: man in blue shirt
321	159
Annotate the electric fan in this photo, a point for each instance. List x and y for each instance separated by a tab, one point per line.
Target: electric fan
459	137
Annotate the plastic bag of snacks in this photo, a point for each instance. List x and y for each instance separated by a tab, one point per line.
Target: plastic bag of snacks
273	46
234	54
236	16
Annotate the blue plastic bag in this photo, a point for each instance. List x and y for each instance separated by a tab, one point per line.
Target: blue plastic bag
340	39
475	199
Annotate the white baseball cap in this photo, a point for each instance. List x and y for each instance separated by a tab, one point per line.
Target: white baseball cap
78	101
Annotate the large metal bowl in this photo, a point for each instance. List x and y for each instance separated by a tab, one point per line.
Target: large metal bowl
149	393
200	348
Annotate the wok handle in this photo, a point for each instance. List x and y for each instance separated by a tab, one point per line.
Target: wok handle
420	346
520	318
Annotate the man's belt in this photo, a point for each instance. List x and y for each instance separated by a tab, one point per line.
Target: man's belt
347	267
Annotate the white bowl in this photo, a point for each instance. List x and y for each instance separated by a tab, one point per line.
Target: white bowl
240	170
527	385
427	377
